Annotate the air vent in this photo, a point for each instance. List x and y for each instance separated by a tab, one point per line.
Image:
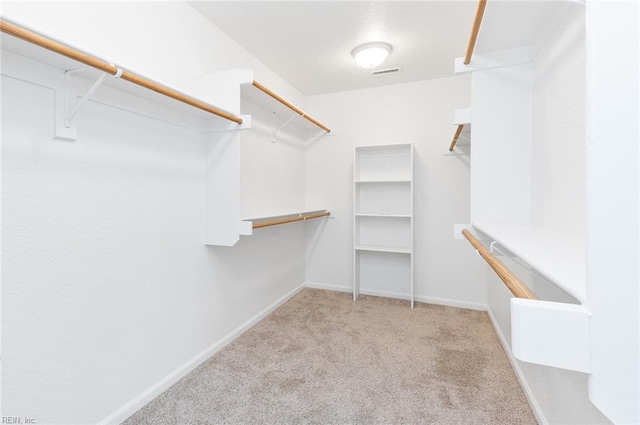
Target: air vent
385	71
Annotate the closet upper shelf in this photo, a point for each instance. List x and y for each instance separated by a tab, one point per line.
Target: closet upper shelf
506	25
45	50
260	95
557	256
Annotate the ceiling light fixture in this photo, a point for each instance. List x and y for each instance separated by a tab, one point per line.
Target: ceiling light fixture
370	55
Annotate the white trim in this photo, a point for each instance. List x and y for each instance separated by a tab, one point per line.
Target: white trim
533	403
386	294
418	298
156	389
451	303
327	287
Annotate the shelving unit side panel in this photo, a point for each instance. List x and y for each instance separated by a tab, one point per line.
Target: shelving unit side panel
222	201
411	260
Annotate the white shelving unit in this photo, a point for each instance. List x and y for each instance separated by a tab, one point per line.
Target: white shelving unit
565	204
239	184
383	221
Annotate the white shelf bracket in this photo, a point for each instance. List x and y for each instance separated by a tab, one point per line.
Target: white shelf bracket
278	129
66	128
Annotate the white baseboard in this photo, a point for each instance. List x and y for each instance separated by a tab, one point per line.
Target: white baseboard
535	407
156	389
327	287
341	288
401	296
451	303
386	294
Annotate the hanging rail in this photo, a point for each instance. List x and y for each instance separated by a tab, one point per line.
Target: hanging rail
455	137
290	106
482	4
54	46
515	285
300	217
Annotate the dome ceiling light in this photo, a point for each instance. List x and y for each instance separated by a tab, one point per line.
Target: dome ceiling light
370	55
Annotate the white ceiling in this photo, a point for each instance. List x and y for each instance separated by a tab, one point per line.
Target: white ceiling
309	43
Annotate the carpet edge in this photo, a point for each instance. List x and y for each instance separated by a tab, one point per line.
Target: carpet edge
138	402
419	298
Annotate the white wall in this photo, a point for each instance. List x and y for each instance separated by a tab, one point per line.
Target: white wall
446	270
613	134
558	129
108	291
266	187
501	132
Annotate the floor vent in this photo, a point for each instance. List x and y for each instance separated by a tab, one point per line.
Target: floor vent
385	71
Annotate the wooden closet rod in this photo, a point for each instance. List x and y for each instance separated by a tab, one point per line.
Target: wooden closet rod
455	137
482	4
291	219
54	46
291	106
515	285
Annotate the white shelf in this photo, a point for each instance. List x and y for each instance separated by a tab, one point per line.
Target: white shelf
382	215
283	214
383	181
383	249
557	256
383	163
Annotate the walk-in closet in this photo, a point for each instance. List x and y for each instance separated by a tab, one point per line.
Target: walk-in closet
372	212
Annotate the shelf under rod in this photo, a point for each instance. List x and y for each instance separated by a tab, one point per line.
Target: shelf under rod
291	219
515	285
49	44
482	4
455	137
290	106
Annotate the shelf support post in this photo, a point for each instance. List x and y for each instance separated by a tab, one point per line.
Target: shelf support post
66	128
277	129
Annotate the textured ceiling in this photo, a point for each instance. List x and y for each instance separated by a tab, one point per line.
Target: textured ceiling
309	43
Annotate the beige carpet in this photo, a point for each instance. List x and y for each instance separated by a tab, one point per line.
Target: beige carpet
322	358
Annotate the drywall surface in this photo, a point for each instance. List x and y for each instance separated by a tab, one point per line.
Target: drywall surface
266	187
108	290
612	206
501	129
558	129
420	113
